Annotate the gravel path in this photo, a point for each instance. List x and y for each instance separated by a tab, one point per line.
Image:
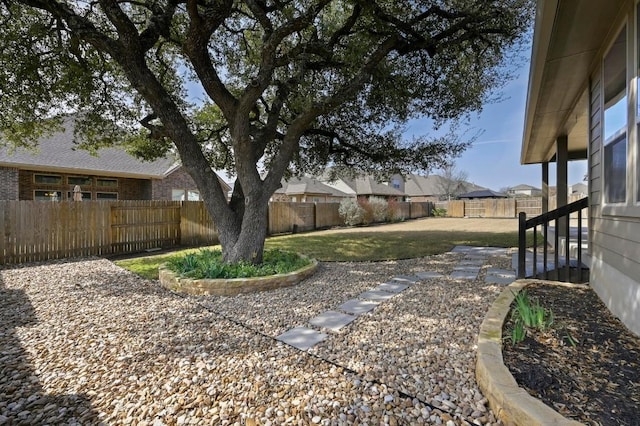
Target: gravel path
86	342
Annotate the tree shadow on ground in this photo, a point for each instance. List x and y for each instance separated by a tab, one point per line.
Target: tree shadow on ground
22	397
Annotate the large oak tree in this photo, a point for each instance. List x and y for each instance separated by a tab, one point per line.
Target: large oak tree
287	86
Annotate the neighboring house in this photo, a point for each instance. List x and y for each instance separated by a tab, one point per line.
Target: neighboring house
583	104
433	187
308	190
579	189
482	194
52	170
524	190
366	187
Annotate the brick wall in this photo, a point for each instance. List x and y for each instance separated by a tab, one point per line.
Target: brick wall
9	178
178	179
126	189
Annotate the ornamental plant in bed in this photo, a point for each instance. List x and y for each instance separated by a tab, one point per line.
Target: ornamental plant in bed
208	264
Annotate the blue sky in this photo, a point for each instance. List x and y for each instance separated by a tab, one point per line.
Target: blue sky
494	159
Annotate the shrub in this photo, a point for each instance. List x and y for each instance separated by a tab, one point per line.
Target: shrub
379	209
367	209
393	210
351	212
439	212
208	264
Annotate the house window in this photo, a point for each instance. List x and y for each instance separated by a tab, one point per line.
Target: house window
106	195
85	195
42	195
615	121
185	194
47	179
79	180
111	183
396	183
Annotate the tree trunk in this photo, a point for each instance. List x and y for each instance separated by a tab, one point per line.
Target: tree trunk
245	240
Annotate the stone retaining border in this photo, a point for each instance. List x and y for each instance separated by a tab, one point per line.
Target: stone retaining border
511	403
234	286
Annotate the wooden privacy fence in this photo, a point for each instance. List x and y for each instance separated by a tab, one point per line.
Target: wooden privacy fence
43	230
498	208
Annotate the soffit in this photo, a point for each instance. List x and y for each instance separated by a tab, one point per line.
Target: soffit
568	40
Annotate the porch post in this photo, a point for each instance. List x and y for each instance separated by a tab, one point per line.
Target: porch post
562	187
545	187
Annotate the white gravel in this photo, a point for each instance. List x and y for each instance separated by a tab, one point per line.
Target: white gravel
86	342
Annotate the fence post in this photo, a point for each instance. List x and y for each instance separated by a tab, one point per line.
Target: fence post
522	244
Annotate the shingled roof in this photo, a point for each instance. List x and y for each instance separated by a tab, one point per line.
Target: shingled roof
58	153
368	186
308	185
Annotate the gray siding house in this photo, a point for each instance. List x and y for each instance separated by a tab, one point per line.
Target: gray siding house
584	103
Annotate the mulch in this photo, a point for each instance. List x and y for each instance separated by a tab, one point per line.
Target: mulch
586	366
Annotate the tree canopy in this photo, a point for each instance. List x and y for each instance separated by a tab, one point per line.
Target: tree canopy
288	87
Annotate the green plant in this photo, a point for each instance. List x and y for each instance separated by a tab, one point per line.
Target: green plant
351	212
528	314
379	208
439	212
367	208
393	210
208	264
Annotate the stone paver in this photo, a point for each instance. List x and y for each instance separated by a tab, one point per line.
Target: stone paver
429	274
467	268
494	279
302	338
464	275
507	273
357	307
376	295
392	287
332	320
472	262
412	279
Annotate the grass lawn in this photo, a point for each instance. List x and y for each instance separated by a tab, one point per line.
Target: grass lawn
356	246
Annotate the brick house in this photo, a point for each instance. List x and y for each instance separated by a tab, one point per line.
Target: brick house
52	170
307	189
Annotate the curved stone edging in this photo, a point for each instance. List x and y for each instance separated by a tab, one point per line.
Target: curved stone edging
511	403
234	286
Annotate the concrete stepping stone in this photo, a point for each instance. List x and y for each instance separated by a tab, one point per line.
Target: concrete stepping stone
472	262
376	295
467	268
429	274
302	338
332	320
500	276
501	272
494	279
412	279
392	287
357	307
464	275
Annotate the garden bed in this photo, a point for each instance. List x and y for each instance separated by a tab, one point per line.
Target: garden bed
232	286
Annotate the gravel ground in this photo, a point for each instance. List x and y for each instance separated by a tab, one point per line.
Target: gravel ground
86	342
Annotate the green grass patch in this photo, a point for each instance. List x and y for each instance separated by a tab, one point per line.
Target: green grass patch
379	246
208	263
353	247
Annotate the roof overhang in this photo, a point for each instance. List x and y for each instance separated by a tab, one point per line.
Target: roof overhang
78	171
568	41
